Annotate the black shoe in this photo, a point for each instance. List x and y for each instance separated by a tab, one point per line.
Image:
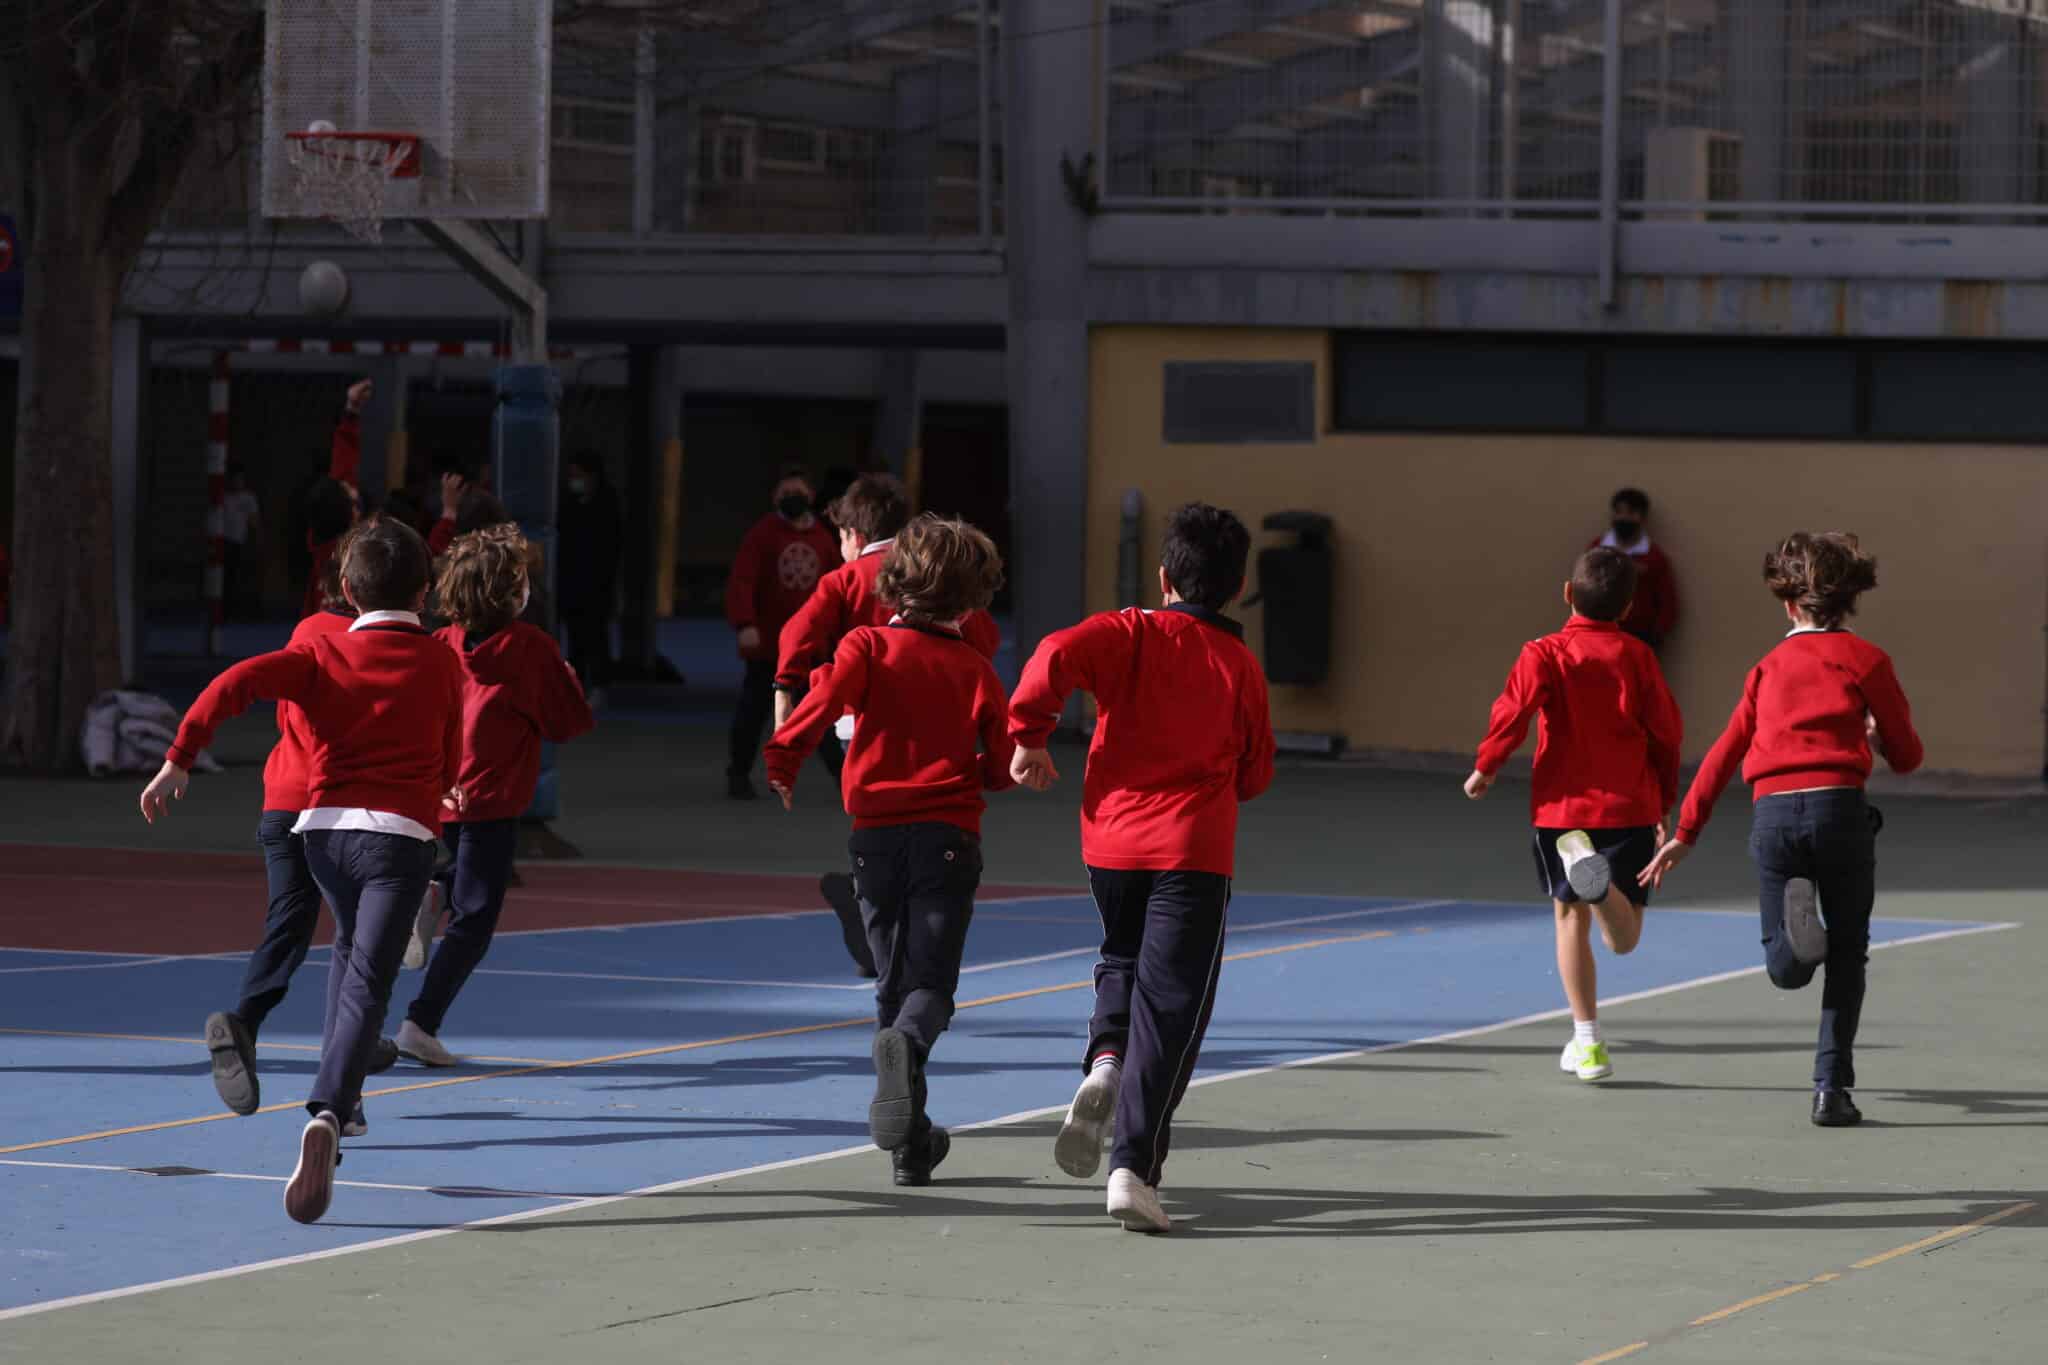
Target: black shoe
893	1111
234	1062
1834	1109
914	1162
383	1056
838	890
740	787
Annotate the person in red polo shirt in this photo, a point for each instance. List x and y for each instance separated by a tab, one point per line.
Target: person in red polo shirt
775	572
1653	612
1606	774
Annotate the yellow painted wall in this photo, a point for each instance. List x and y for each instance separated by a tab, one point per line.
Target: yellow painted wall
1451	550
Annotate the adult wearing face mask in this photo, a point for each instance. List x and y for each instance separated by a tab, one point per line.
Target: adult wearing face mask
1653	612
587	575
779	563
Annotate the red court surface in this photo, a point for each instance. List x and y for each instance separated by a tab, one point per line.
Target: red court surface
66	899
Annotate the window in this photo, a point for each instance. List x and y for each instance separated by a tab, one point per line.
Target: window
1444	383
789	148
1750	389
1946	393
729	156
594	126
1234	404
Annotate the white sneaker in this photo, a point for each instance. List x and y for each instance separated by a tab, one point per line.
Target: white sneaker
356	1124
423	926
1135	1204
1587	1061
1078	1148
1584	867
1569	1059
423	1047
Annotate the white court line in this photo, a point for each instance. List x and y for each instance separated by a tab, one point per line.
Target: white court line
1022	1116
91	966
284	1179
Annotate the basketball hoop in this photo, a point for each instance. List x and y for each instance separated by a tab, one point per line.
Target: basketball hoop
346	177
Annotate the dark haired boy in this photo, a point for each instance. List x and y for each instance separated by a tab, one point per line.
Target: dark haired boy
1606	773
867	517
382	702
930	740
777	567
1653	612
1184	735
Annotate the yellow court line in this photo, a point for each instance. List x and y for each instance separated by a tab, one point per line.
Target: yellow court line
638	1054
1826	1277
201	1042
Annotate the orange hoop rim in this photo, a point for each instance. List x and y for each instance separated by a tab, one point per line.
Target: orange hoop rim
406	165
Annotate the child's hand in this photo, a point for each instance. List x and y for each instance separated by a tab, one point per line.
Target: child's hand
788	796
750	637
1669	856
167	786
1870	733
1478	784
784	704
456	799
1033	768
358	395
453	486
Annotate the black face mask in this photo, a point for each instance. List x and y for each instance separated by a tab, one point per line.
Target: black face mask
794	507
1626	530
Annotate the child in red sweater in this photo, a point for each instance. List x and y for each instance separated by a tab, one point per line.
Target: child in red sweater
777	566
335	502
1606	773
1183	736
868	517
1811	712
929	741
383	708
517	690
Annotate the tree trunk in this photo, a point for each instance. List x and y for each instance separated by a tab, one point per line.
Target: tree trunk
64	647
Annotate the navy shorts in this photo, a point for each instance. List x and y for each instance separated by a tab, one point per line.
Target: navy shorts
1628	852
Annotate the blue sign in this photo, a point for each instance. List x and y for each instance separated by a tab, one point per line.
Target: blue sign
10	269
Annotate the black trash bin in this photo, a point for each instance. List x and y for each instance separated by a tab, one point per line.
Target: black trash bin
1295	585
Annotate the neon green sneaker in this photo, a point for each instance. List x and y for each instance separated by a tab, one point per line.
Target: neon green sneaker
1593	1063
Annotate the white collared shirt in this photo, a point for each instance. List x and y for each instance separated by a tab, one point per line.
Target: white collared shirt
875	547
1641	547
357	817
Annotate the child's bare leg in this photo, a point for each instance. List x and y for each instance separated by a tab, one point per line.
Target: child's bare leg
1575	961
1621	921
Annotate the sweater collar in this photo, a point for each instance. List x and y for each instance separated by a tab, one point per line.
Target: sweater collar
876	547
1578	622
1208	617
386	618
926	628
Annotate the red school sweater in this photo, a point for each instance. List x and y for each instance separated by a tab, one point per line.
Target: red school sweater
930	738
775	570
1607	752
344	466
383	711
1183	733
1653	612
844	599
1800	723
284	772
517	690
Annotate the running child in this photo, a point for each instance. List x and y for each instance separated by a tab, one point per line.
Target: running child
867	517
1183	735
383	708
930	739
1606	773
294	900
517	690
1812	711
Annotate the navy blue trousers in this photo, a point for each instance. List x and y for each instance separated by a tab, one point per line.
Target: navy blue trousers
374	883
475	885
1162	952
1827	837
288	925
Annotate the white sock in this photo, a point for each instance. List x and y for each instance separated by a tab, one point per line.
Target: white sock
1586	1031
1103	1059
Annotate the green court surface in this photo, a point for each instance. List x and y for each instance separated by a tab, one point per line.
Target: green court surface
1454	1200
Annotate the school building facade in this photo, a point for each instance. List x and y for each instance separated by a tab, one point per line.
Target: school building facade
1446	271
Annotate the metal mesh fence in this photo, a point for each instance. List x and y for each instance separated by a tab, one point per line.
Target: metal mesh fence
1873	107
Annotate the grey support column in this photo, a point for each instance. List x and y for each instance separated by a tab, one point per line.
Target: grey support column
899	412
1996	91
908	164
1755	89
384	416
1460	55
131	412
656	380
1048	116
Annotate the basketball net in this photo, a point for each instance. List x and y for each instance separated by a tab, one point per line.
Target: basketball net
344	177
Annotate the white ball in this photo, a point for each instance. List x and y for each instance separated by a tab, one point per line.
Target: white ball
323	289
320	125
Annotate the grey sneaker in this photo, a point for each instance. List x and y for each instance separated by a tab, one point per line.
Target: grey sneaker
1584	867
1804	929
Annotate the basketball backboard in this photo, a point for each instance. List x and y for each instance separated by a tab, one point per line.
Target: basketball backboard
469	79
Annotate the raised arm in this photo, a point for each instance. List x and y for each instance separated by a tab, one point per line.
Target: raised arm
1507	724
286	675
1721	764
1897	741
834	688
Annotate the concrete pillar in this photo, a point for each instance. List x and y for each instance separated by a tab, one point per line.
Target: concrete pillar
1050	85
673	153
1460	56
131	413
909	160
383	420
1755	90
652	502
899	413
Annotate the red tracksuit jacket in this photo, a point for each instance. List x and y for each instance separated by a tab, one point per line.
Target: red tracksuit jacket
1607	754
383	709
931	736
517	690
284	772
1801	723
845	598
1183	733
775	570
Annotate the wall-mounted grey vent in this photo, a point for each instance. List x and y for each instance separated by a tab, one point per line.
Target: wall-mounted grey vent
1238	404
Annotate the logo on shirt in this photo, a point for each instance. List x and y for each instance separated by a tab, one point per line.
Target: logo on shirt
798	566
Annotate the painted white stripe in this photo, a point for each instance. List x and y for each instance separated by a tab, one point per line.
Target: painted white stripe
1022	1116
282	1179
217	395
679	980
90	966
